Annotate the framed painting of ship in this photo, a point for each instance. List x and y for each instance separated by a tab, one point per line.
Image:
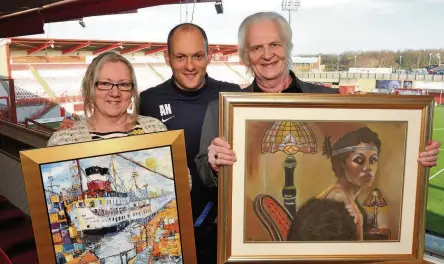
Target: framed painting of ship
323	177
123	200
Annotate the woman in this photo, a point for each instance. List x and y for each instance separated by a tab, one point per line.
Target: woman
354	159
109	88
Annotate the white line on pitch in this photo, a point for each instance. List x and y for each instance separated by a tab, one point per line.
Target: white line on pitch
439	128
433	176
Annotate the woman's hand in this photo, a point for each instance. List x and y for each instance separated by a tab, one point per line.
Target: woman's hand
68	122
219	154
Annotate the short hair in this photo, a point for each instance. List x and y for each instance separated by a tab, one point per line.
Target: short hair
350	139
323	220
92	76
187	26
284	28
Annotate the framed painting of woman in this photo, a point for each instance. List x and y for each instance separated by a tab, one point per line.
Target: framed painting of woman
323	177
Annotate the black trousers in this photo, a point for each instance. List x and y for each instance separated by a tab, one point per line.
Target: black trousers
206	244
205	236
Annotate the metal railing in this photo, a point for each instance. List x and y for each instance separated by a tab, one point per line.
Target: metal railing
38	126
14	138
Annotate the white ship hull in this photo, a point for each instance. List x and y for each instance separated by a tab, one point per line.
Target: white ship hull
87	218
116	215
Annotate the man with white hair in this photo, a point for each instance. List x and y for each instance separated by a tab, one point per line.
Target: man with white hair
264	43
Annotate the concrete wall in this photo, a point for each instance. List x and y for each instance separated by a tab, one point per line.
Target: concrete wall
4	70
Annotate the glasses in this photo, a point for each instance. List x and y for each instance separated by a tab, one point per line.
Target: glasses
109	86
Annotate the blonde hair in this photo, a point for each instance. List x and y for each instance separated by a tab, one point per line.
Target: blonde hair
92	76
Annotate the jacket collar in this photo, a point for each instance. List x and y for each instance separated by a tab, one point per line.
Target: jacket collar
294	85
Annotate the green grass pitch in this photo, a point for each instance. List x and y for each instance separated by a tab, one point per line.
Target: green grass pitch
435	203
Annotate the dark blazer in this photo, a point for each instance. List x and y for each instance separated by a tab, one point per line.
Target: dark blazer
210	128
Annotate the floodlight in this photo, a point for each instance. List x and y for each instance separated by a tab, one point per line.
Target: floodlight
219	7
291	5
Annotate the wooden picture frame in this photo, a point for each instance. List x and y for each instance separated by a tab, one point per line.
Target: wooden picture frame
302	157
124	198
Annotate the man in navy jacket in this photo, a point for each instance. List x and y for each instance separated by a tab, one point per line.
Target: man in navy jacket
180	103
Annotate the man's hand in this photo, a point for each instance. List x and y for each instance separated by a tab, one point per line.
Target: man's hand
429	156
219	154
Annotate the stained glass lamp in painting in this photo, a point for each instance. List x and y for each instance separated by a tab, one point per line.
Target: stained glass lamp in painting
375	200
290	138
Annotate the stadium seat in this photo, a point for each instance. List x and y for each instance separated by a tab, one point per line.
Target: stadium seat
4	258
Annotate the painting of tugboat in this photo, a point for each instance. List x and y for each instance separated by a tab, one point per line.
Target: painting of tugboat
114	209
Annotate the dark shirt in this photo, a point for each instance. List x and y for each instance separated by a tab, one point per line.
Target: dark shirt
294	86
182	109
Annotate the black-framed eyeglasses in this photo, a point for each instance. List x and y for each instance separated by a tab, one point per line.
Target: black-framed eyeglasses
125	86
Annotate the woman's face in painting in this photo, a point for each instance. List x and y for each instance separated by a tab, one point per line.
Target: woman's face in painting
361	166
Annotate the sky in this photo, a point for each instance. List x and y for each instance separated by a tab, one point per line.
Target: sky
62	175
319	26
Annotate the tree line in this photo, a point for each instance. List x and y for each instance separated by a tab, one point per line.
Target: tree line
408	59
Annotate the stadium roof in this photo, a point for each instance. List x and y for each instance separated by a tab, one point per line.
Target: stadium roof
27	17
68	46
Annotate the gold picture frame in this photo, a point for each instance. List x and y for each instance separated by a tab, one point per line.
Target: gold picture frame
272	134
123	198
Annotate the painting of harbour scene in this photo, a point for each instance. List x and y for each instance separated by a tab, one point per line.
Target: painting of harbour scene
114	209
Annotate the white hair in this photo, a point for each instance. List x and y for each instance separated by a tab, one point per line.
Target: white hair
284	28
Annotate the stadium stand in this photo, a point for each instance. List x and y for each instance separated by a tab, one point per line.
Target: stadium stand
147	76
65	80
40	87
48	73
226	72
163	71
